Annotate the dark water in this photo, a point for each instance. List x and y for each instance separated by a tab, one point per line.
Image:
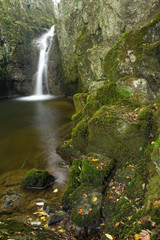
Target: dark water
30	132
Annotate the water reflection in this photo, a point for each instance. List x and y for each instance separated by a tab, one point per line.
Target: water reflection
29	134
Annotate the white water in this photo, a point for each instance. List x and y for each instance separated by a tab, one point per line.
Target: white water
44	44
55	2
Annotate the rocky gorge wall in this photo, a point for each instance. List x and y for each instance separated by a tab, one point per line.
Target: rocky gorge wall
20	22
88	29
110	54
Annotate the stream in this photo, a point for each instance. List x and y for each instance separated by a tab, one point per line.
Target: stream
29	134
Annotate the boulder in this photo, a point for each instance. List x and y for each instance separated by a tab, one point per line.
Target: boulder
38	179
56	217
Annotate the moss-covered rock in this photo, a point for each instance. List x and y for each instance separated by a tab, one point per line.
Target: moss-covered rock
134	59
95	169
36	178
72	184
156	154
87	201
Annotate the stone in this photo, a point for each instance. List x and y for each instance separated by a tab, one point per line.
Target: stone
9	199
38	179
87	201
50	208
56	217
85	36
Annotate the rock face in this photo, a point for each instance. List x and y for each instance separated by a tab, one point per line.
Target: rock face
20	22
96	27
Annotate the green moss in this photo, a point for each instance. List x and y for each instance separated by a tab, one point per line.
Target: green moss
79	101
95	169
16	230
138	182
143	47
72	184
80	135
19	25
86	202
37	179
155	155
66	148
110	64
92	105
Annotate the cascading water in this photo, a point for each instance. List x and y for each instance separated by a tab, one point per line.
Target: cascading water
55	2
44	47
41	76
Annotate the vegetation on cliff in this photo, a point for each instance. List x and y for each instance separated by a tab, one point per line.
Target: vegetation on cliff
115	136
20	22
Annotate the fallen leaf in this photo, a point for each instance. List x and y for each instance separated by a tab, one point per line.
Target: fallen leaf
94	160
132	165
80	211
108	236
44	219
136	237
61	230
95	199
40	210
143	186
145	235
85	195
117	224
40	203
55	190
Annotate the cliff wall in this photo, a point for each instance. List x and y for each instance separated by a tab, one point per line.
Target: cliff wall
88	29
111	56
20	22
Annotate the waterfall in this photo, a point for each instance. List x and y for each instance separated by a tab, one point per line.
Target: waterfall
44	43
55	2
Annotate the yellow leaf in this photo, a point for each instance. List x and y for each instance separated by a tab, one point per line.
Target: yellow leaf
95	199
40	210
136	237
45	226
61	230
94	160
44	219
152	142
109	236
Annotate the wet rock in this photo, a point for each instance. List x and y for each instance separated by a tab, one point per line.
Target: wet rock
50	208
38	179
9	200
87	202
56	217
